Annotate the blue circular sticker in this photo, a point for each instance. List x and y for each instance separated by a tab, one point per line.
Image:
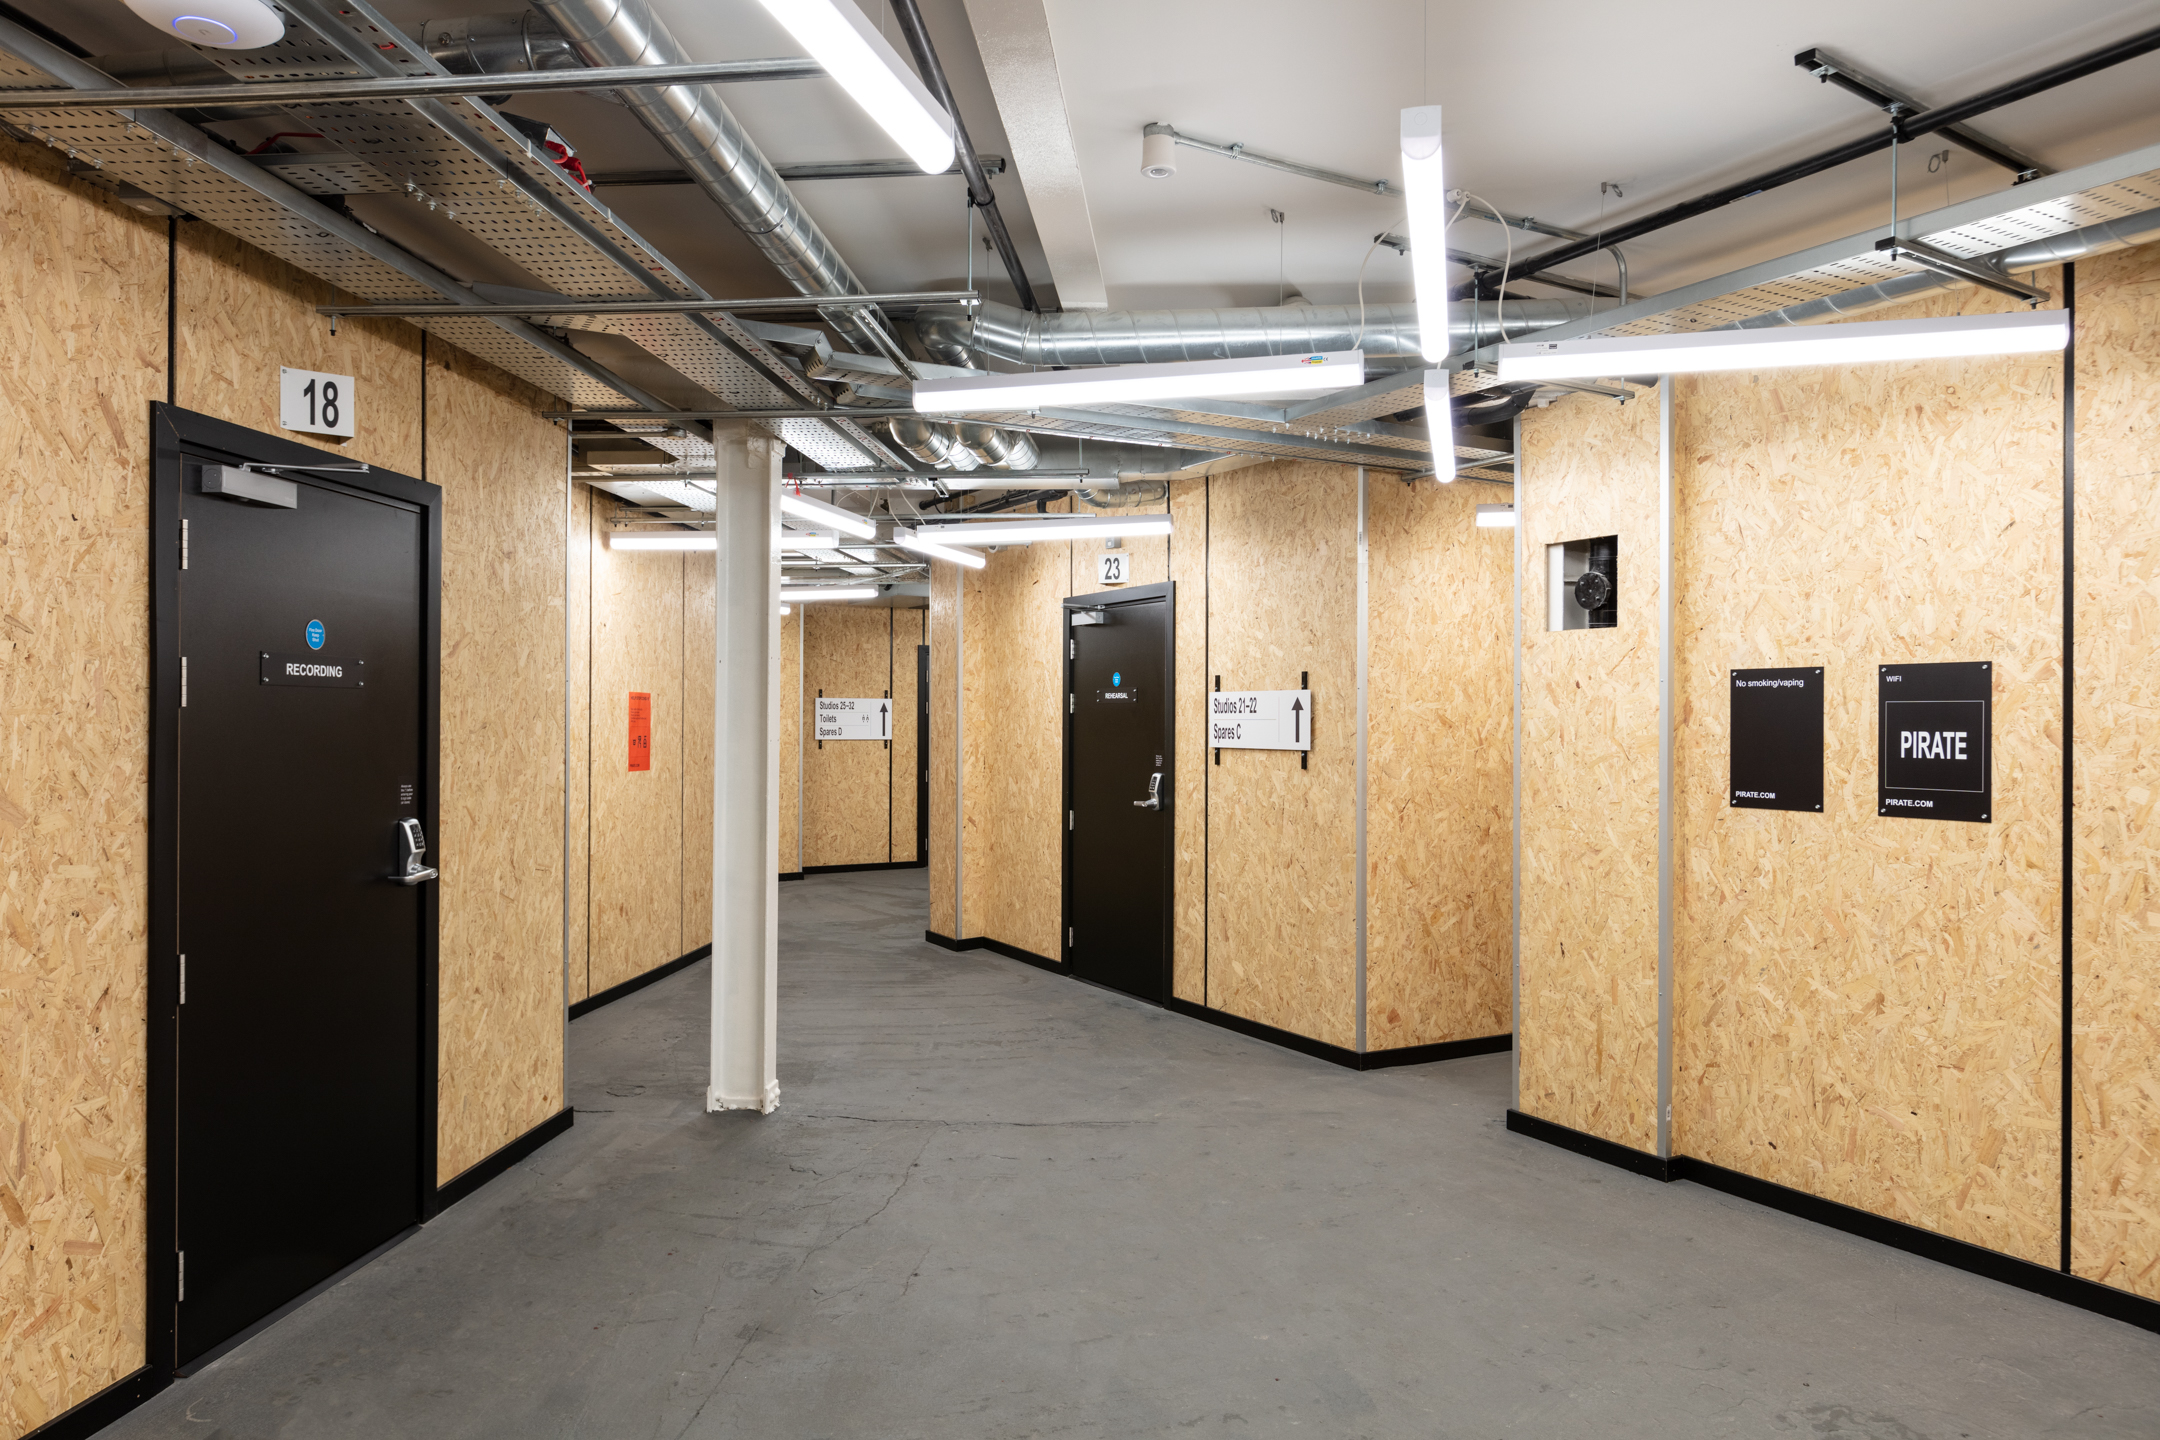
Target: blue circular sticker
314	634
1116	678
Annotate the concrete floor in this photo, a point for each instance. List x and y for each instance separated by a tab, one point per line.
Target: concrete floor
998	1203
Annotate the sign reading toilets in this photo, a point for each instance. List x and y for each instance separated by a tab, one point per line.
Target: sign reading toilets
853	719
1935	741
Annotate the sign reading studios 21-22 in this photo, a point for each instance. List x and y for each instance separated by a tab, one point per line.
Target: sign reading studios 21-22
1935	741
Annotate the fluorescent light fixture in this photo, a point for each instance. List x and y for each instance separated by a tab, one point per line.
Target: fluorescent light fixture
1426	194
681	540
2024	332
800	593
1440	426
913	540
847	522
1303	374
1496	517
1027	532
842	39
806	540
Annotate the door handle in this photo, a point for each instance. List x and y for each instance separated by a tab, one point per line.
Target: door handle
412	844
1154	794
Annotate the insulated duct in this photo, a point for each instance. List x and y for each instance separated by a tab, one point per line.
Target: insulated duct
712	146
955	336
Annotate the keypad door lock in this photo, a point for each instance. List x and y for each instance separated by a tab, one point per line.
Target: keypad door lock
412	847
1154	794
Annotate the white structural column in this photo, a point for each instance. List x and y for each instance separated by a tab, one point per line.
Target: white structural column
746	774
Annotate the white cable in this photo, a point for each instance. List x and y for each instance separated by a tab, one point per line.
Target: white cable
1506	264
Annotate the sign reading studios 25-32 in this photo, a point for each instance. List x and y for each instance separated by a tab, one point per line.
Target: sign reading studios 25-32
1935	741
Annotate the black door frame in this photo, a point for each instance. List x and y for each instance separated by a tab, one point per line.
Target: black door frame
922	754
1110	600
172	431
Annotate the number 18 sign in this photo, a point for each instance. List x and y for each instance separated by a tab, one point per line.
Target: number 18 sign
315	403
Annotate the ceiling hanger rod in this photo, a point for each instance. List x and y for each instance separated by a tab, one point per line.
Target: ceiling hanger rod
1926	122
409	87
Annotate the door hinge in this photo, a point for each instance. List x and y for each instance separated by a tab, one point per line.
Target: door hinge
183	682
183	544
183	1276
1072	646
1068	937
183	979
1070	704
1068	819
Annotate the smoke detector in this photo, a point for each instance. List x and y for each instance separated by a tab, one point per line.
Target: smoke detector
221	24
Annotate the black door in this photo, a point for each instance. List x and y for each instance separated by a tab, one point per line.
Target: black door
922	754
301	1066
1118	783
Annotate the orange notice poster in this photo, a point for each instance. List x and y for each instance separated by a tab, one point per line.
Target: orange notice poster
640	730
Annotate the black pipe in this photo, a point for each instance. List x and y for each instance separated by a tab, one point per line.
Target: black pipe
979	193
1925	123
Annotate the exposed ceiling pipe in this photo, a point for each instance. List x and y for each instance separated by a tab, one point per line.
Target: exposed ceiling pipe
706	139
935	444
1903	129
1001	449
954	335
980	194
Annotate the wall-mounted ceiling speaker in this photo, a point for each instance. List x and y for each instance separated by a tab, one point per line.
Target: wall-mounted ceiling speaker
222	24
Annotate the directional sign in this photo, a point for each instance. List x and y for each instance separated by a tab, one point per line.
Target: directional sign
1260	719
869	719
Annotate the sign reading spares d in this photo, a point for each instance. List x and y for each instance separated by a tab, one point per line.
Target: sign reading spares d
640	730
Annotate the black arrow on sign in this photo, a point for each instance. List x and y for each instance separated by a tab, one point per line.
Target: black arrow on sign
884	728
1296	721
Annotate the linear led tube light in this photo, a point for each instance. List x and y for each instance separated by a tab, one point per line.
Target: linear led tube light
1496	517
800	593
847	522
1302	374
1027	532
913	540
806	540
1425	194
664	542
1440	426
787	610
840	38
2024	332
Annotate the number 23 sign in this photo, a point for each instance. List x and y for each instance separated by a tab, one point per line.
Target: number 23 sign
315	403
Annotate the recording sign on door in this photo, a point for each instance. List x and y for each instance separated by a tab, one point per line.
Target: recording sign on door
853	719
1260	719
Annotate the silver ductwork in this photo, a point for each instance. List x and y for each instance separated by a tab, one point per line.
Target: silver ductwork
935	444
955	335
1003	449
2116	234
712	146
498	44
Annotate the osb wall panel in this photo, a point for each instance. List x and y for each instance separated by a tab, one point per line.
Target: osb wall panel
700	602
2115	1097
84	322
1015	739
579	780
500	468
847	784
791	732
636	902
1439	802
243	314
947	629
1867	1008
1282	598
1188	570
1588	1044
910	630
1147	557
